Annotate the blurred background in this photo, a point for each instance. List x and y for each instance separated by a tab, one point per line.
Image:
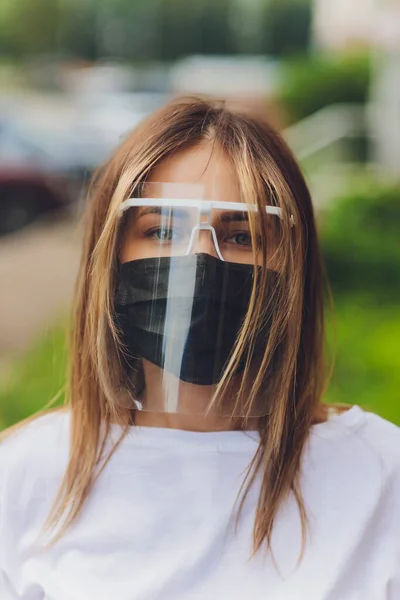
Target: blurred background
77	75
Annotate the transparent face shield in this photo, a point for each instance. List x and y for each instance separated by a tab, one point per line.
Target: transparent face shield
183	290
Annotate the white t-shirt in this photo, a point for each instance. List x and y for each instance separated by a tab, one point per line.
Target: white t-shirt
158	522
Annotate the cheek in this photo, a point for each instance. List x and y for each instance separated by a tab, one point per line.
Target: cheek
129	249
133	249
126	252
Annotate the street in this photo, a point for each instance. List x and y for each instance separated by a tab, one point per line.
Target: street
38	266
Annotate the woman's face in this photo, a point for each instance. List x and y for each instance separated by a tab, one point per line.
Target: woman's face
193	346
152	232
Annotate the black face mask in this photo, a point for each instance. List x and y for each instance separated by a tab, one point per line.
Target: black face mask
198	317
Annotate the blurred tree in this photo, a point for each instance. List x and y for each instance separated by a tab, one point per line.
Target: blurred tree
155	29
287	27
29	26
361	243
77	28
247	25
310	83
198	28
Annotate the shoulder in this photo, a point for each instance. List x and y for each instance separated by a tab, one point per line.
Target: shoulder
383	439
372	465
363	441
35	449
32	462
50	427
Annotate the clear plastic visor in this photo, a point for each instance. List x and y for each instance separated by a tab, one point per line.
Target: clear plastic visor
176	220
184	289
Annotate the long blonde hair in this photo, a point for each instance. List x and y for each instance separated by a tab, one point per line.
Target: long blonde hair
267	172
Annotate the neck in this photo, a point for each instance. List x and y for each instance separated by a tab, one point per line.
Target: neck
185	422
172	403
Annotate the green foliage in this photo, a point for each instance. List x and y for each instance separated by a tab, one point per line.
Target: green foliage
310	83
367	366
361	243
287	27
201	29
35	379
29	27
153	30
361	246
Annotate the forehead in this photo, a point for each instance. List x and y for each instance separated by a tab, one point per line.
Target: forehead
206	165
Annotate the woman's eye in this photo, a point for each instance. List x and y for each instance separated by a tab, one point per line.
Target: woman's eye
241	239
162	234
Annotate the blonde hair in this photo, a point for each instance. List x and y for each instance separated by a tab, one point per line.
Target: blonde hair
267	173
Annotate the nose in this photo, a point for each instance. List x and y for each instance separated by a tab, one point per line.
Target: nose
204	244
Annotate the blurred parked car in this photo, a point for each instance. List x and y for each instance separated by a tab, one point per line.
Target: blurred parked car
49	149
37	175
25	195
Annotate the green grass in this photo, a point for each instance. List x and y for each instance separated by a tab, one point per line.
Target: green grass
35	378
367	368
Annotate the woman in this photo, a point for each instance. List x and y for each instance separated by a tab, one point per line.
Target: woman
195	458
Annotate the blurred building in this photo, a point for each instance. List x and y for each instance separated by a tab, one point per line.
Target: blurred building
385	90
374	24
246	81
340	24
